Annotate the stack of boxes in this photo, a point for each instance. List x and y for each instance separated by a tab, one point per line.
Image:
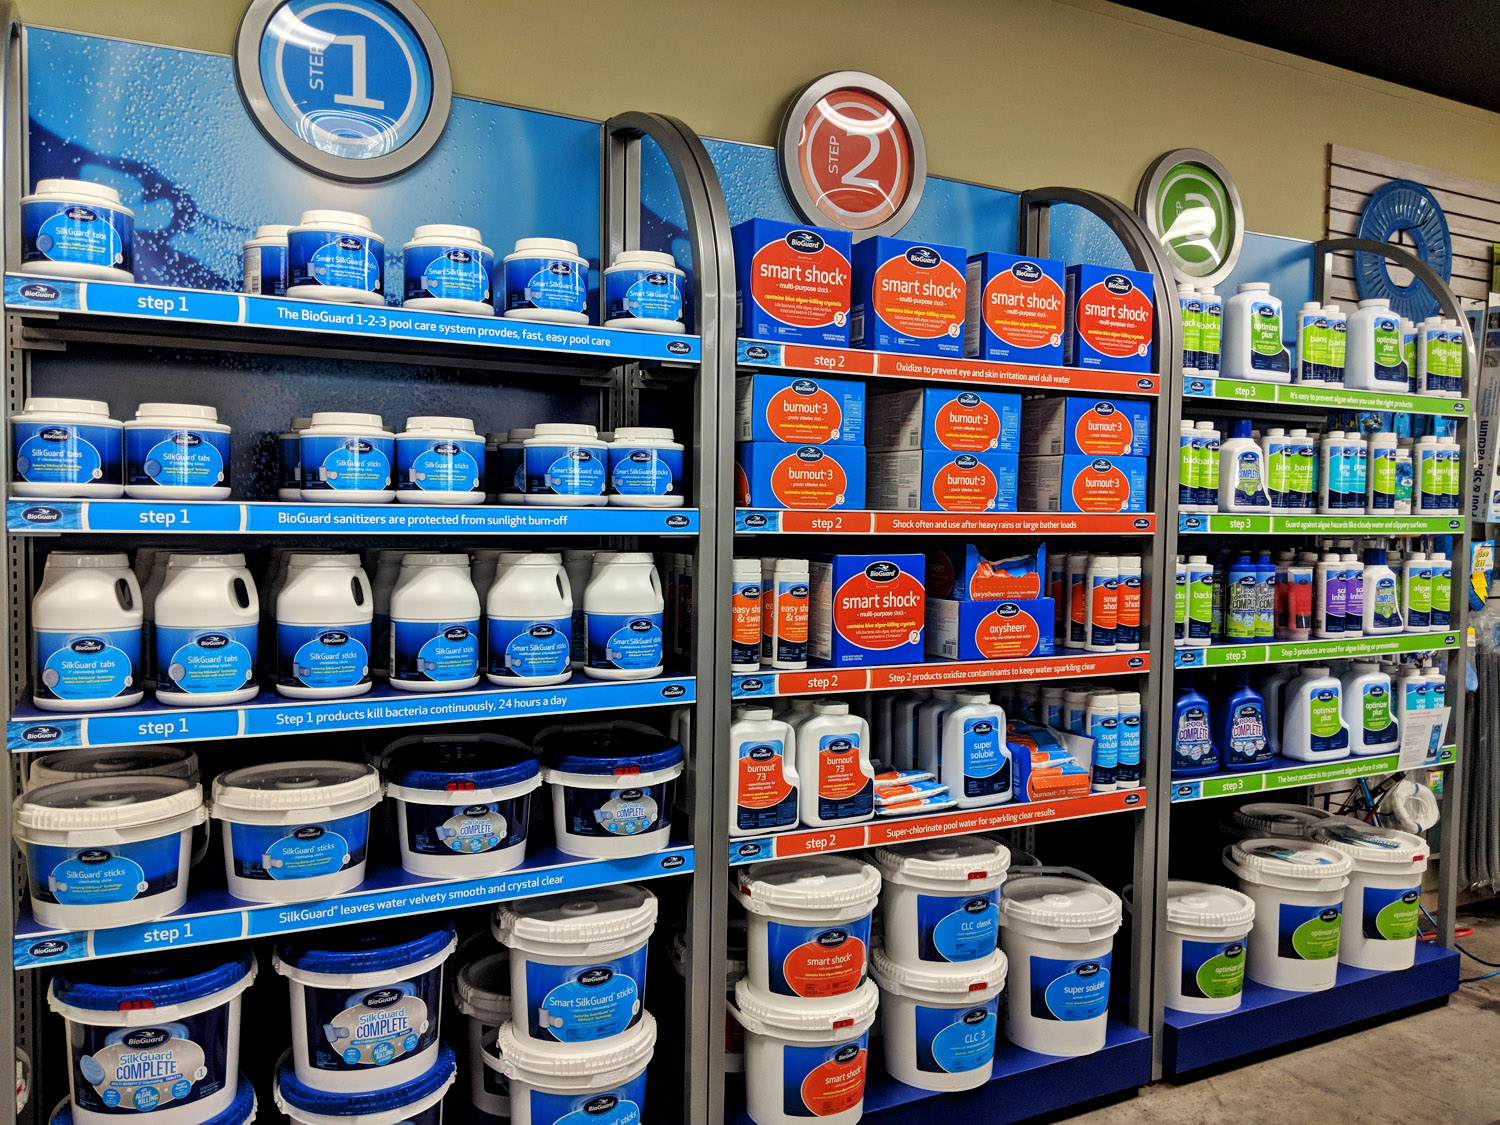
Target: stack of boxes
799	442
938	449
987	609
1084	454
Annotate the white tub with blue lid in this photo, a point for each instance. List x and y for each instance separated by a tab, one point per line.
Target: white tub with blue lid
113	761
74	228
439	460
155	1035
295	831
645	468
107	852
940	899
940	1024
544	279
578	962
602	1084
335	256
65	447
463	804
366	1002
612	787
241	1111
566	465
448	269
176	451
415	1102
481	993
643	290
347	457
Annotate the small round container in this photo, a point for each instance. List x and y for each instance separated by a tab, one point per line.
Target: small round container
67	447
645	468
295	831
940	899
1058	935
566	466
289	461
612	790
347	458
439	461
1383	902
463	803
241	1111
643	290
481	992
335	256
107	851
448	269
545	279
366	1003
74	228
813	1055
577	963
185	1009
604	1081
1260	819
112	762
176	451
809	925
1298	891
1207	928
417	1102
939	1025
264	257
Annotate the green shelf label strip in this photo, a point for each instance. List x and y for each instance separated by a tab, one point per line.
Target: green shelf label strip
1293	777
1323	398
1229	656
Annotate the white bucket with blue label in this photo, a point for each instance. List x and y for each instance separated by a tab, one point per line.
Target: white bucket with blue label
940	1024
1058	933
602	1084
1208	929
417	1102
612	787
481	993
578	962
184	1010
1298	891
366	1003
241	1111
941	899
1383	902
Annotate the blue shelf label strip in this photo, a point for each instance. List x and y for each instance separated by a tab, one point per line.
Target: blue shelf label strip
746	519
755	353
753	684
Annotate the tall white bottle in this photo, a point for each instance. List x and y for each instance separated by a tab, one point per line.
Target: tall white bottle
763	784
975	761
529	622
1242	472
929	744
837	782
1252	336
1368	709
623	609
1381	612
1313	729
1373	357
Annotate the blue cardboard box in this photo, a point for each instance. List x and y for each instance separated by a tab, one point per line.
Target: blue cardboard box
794	282
1017	309
866	609
1090	427
799	410
935	480
961	419
989	630
810	477
1110	319
909	297
1072	483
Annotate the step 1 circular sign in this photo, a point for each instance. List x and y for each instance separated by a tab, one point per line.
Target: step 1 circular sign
851	154
352	89
1192	206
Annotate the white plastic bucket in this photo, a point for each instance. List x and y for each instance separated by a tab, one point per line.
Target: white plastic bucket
1058	935
940	899
113	761
481	992
1207	930
1298	891
184	1009
940	1024
241	1111
612	787
578	962
813	1054
418	1102
1261	819
734	972
809	925
1383	902
366	1003
604	1081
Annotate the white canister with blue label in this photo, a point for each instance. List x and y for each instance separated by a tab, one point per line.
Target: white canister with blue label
207	632
86	628
440	461
335	256
176	451
264	258
566	466
448	269
73	228
645	468
67	447
347	458
545	279
643	290
434	624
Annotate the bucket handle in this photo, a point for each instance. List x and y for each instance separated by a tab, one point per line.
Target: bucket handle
1071	872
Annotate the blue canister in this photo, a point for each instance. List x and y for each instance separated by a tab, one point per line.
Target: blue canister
347	458
335	256
67	447
72	228
176	451
643	290
545	279
448	269
264	259
566	465
612	787
645	468
241	1111
440	461
418	1101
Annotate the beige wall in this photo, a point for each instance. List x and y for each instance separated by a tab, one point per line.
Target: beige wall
1017	93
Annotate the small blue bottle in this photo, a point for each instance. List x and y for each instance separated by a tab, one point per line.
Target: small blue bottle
1265	612
1193	749
1239	725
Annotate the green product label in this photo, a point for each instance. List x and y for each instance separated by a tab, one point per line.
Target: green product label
1432	473
1387	345
1442	593
1323	716
1304	470
1208	468
1449	461
1192	320
1265	329
1419	592
1409	353
1397	921
1201	601
1383	473
1317	939
1210	329
1435	360
1180	608
1187	464
1279	469
1377	709
1337	347
1315	340
1222	976
1452	361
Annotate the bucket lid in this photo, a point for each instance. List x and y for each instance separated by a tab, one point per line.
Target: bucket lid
599	914
960	859
1058	900
106	802
1276	818
365	949
446	762
347	1103
241	1110
1207	904
981	979
605	1062
481	987
761	1011
1285	859
606	750
150	982
1372	848
828	881
293	785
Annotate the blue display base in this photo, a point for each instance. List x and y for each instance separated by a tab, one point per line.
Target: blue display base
1269	1017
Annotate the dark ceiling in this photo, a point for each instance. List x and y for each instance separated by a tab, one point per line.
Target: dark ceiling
1445	47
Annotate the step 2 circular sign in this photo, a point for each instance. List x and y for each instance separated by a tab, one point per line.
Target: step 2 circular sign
352	89
1192	206
851	154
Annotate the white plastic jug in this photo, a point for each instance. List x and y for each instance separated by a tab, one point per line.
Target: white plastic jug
623	611
207	632
529	622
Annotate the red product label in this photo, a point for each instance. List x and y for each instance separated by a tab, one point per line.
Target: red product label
767	611
919	294
991	585
1076	608
1007	631
835	1086
839	775
967	423
1130	604
801	280
791	610
1103	431
881	607
813	969
804	413
1024	307
1114	318
965	484
1106	598
763	782
809	478
745	622
1101	487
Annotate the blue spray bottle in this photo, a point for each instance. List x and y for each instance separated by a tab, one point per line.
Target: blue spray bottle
1240	725
1193	750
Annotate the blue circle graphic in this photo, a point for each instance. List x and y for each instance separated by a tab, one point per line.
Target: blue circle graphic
349	77
1404	207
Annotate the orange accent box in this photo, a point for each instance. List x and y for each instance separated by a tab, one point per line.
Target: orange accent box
798	410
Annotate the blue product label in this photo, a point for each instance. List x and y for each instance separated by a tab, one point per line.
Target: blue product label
178	458
955	1040
121	1071
1247	743
435	651
1192	746
1105	731
96	876
583	1003
360	1029
432	1115
1069	990
957	927
453	272
349	261
546	283
265	270
565	470
530	647
299	851
645	472
347	463
1390	915
986	759
817	961
87	234
624	640
380	634
1386	615
67	454
764	798
1129	767
1213	970
205	661
619	1105
825	1080
81	666
1308	933
642	293
467	829
323	656
616	812
289	459
439	465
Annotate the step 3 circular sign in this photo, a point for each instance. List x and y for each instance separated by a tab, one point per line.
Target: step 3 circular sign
1192	206
851	154
352	89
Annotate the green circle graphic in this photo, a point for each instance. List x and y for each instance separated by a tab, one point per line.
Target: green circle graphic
1194	219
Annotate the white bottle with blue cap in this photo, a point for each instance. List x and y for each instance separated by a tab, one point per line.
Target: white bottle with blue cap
1242	472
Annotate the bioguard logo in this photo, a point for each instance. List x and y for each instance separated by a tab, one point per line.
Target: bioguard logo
882	572
804	242
1118	284
923	257
1029	272
679	347
41	515
36	291
41	734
